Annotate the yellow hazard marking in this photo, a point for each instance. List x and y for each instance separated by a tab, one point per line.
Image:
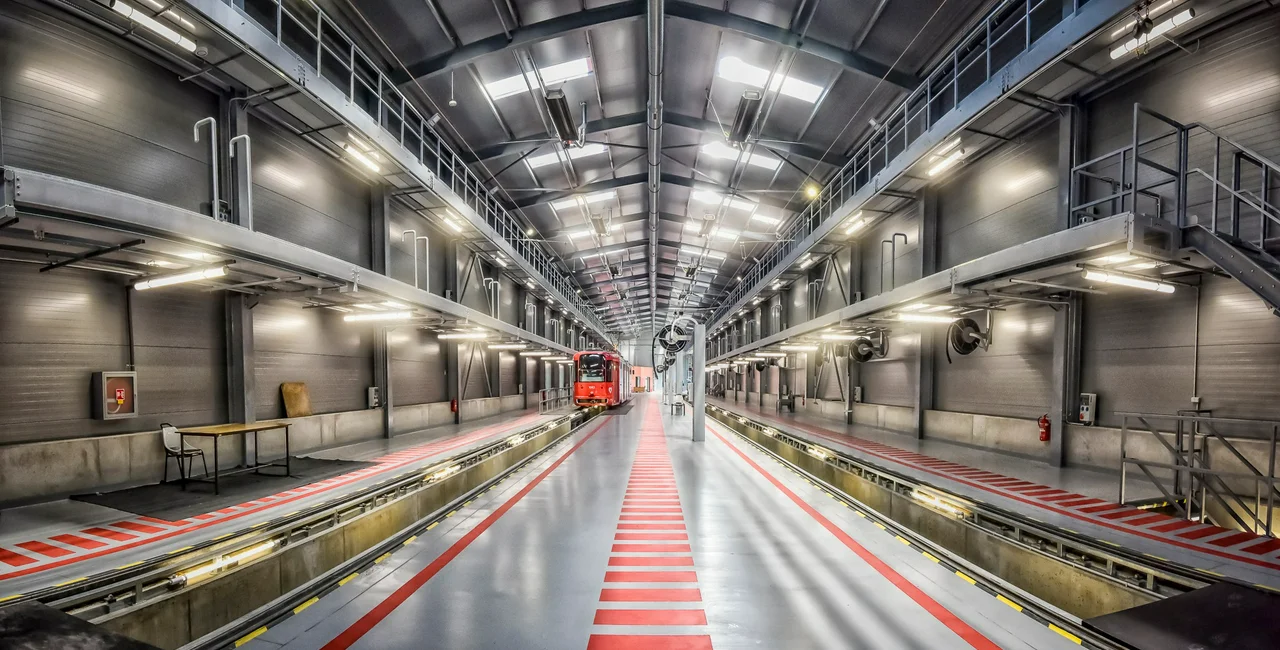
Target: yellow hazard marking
1069	636
966	578
382	557
222	537
179	550
129	565
261	523
313	600
1258	586
860	513
451	513
69	582
1008	602
8	598
929	556
432	525
466	503
902	539
1212	573
879	525
251	636
410	540
347	579
1155	557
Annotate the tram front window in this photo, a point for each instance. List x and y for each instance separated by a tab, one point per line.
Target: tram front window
592	367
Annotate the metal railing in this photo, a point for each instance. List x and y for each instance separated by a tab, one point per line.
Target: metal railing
305	30
1183	466
1006	32
551	399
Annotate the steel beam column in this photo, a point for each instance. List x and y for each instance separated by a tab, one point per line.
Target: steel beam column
853	369
382	377
241	386
236	117
380	229
1072	145
928	243
1065	395
452	356
698	392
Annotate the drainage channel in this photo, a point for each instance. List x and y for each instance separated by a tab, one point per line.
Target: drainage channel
159	601
1080	575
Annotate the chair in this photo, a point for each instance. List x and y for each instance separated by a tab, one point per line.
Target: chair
176	447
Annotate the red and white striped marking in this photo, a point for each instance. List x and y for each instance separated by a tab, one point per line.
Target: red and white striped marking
651	585
74	546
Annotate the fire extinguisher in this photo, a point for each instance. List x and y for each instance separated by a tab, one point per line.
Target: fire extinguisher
1044	427
453	408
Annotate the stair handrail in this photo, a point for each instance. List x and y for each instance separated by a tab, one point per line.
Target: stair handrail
1272	212
1258	158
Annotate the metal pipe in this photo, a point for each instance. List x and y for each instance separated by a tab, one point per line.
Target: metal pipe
412	237
655	20
246	220
426	253
214	174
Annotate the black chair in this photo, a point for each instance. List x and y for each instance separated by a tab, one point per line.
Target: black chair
176	447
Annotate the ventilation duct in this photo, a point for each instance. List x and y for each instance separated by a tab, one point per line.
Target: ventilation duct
744	121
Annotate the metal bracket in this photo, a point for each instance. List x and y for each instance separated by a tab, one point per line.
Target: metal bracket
9	196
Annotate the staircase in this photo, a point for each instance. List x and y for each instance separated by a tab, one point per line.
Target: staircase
1215	189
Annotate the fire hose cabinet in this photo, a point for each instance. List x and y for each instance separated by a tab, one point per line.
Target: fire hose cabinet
115	395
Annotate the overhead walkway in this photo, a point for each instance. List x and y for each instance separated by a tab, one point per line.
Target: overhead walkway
629	535
1078	501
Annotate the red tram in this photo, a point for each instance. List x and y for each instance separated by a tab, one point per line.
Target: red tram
601	378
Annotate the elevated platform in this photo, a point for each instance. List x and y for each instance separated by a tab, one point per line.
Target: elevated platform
1078	500
61	541
630	535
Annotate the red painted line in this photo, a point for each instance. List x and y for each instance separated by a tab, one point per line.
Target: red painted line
47	550
1062	497
651	561
1148	520
650	617
137	527
648	642
651	548
1232	540
1263	548
942	614
651	537
76	540
109	534
650	526
1076	503
383	609
208	519
15	559
650	576
1201	533
652	510
1103	508
680	595
1124	514
1175	525
162	522
651	518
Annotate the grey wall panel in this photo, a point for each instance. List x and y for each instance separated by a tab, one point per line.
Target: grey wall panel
798	302
402	219
76	103
57	328
315	346
507	372
875	262
417	368
1014	378
472	364
305	197
892	380
1239	373
835	282
1004	199
831	378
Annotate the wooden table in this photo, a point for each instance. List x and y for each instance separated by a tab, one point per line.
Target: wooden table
219	431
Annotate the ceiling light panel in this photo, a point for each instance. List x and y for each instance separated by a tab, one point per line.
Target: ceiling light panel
722	151
574	153
573	201
715	198
551	75
734	69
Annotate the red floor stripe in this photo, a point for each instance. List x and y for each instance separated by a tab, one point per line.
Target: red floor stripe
1174	525
1149	519
648	642
109	534
47	550
942	614
1201	533
650	617
161	521
137	527
14	559
383	609
652	518
651	537
1232	540
651	527
1263	548
650	576
651	548
1076	503
681	595
651	561
76	540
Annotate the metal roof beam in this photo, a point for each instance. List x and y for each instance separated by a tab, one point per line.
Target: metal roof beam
636	179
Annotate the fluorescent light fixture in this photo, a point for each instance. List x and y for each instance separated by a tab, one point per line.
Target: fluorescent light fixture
508	346
799	348
750	358
552	74
154	26
774	355
364	146
579	233
1177	20
855	223
807	260
934	308
811	191
840	337
500	261
1150	13
723	151
574	153
946	163
535	353
575	201
765	220
378	316
563	362
689	250
1111	277
925	318
776	285
463	336
557	358
394	305
362	158
946	148
715	198
725	233
530	284
735	69
179	278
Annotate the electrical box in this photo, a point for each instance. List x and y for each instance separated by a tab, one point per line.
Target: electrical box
857	394
375	397
1088	408
115	395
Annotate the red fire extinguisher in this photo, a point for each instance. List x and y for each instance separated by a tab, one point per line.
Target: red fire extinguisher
453	407
1044	427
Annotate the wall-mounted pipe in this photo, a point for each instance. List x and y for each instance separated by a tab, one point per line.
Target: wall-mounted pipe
244	175
411	236
214	175
893	259
426	255
494	287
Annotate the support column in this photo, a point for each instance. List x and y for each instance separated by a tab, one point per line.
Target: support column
382	377
380	230
240	191
697	392
453	365
1065	395
241	385
853	369
1071	148
380	258
928	244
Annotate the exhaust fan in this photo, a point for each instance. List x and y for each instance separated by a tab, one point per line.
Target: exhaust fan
964	336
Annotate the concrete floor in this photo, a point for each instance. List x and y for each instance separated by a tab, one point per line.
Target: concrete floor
1072	498
50	543
633	536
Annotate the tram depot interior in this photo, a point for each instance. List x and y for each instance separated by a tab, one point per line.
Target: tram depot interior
639	324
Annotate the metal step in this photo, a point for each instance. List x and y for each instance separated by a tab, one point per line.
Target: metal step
1251	266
